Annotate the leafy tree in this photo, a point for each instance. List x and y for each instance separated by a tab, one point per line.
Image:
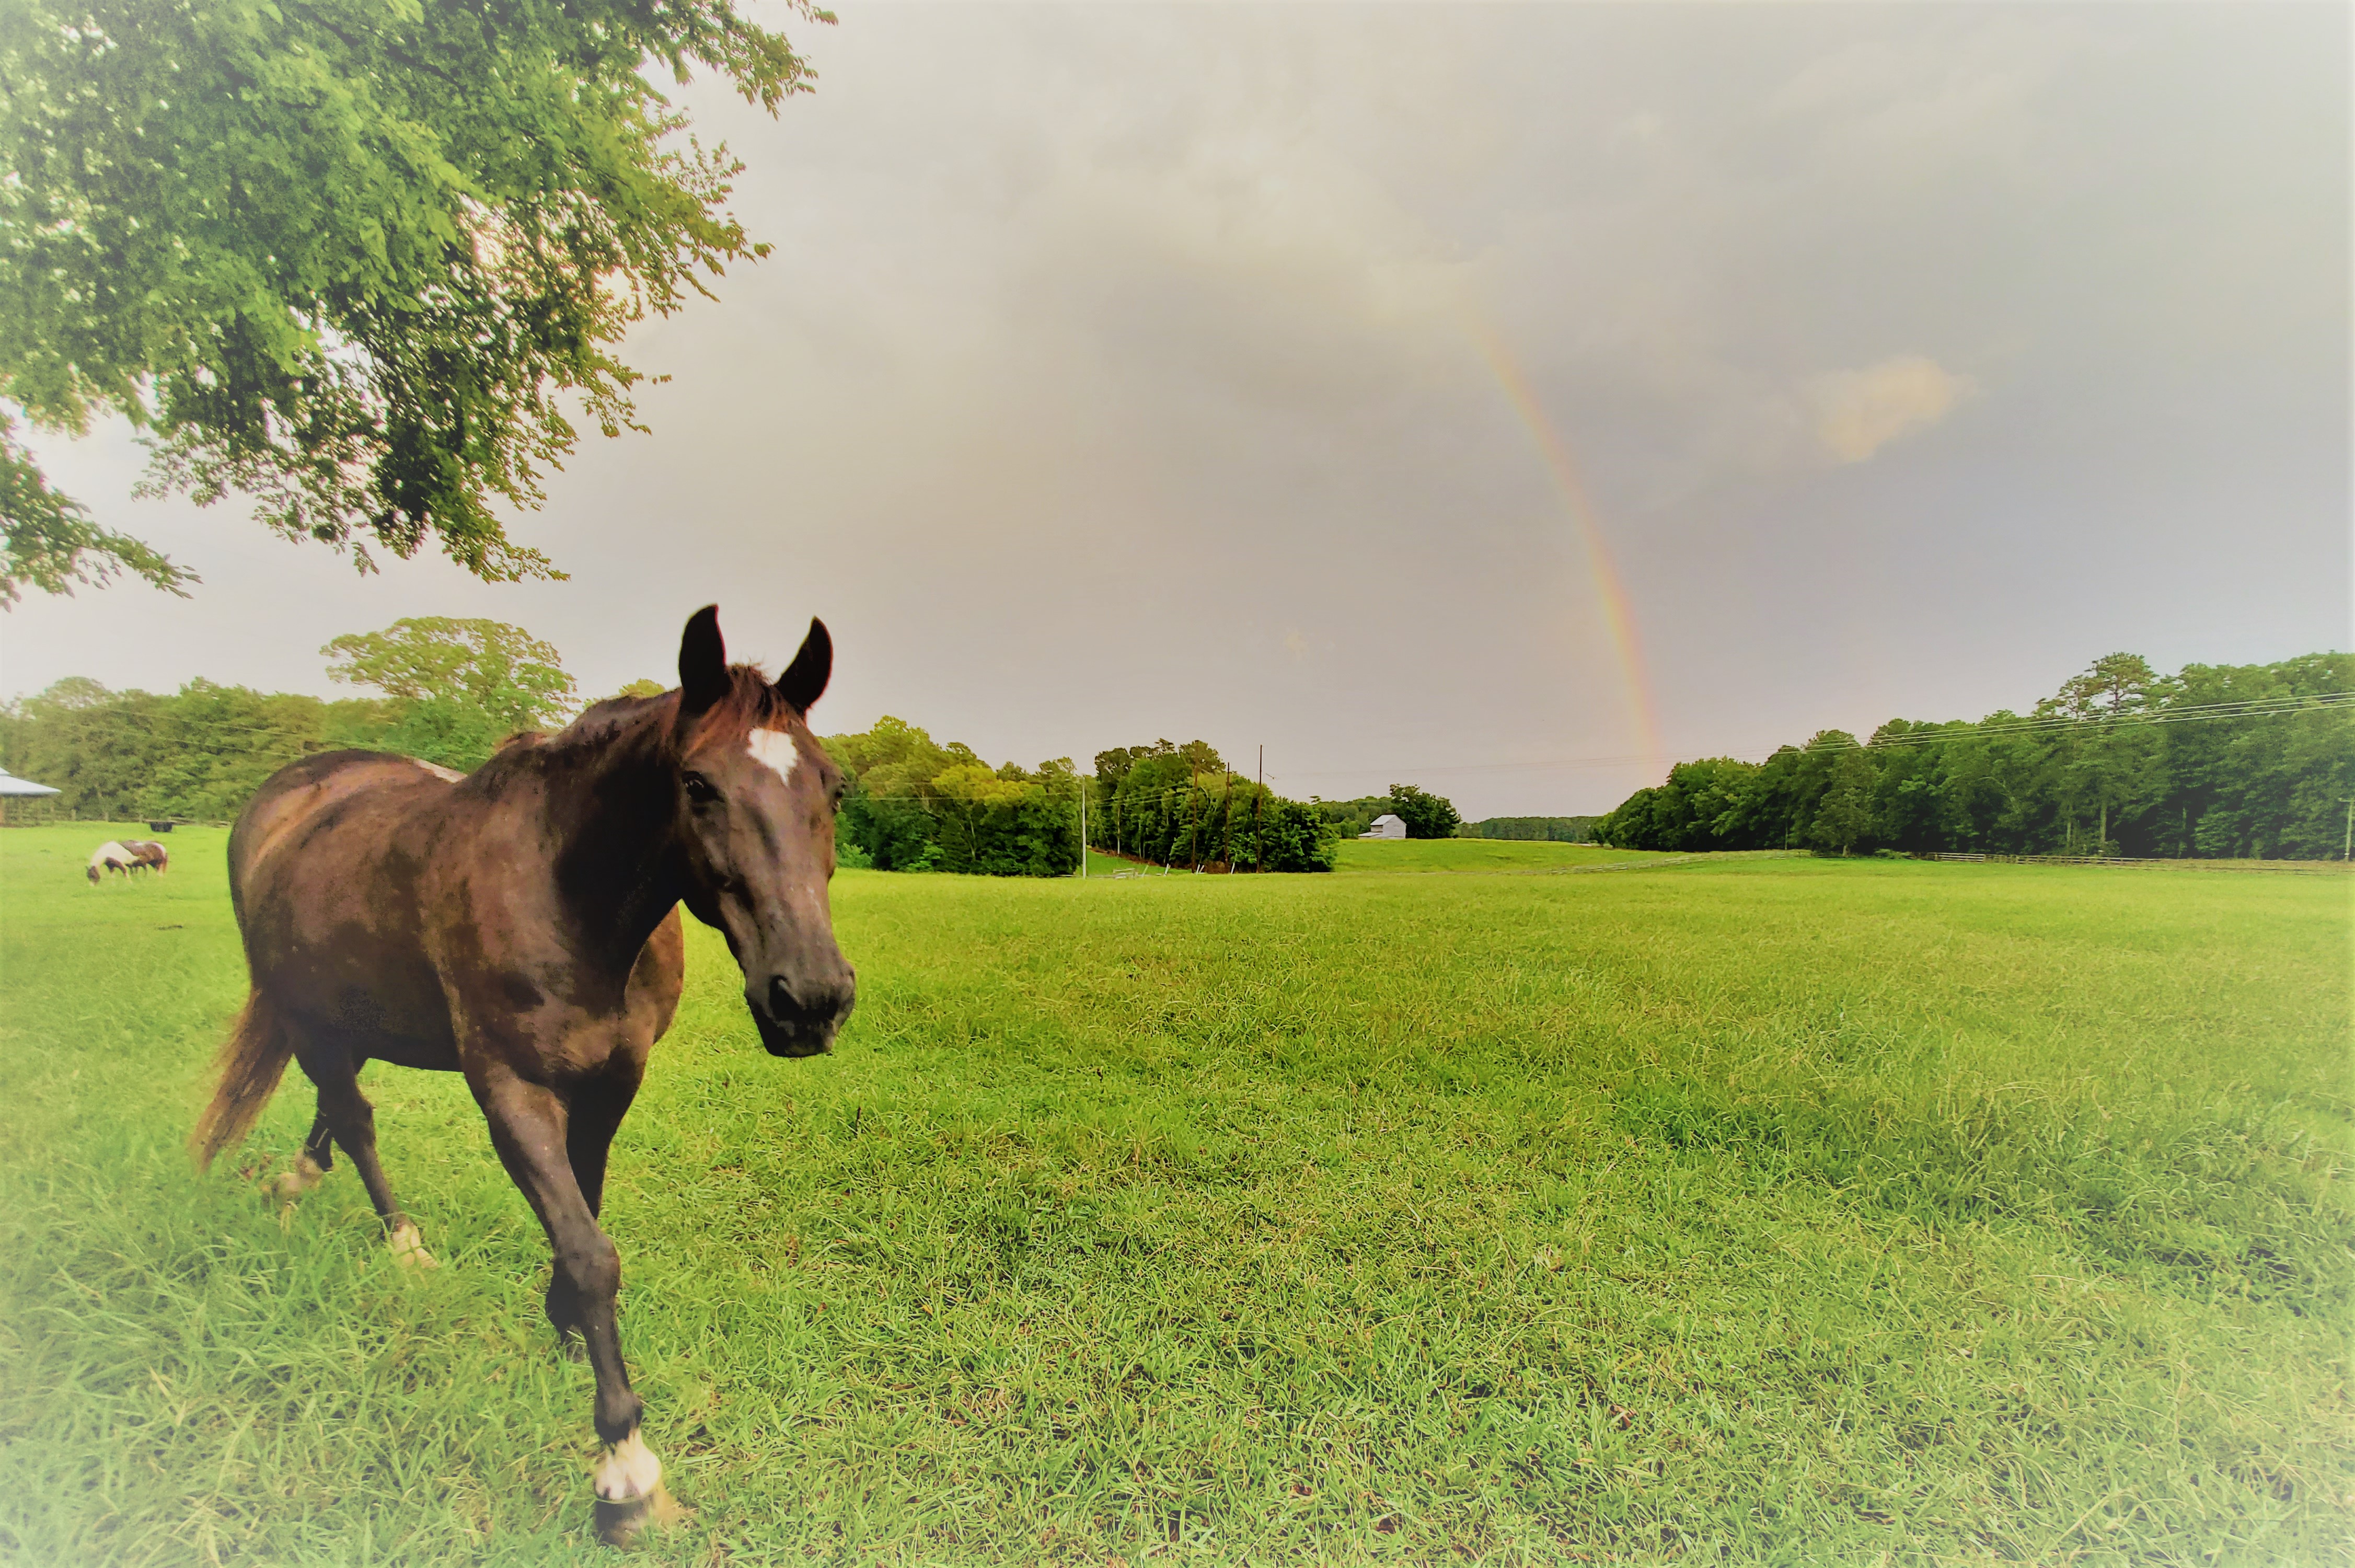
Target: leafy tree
1113	765
1908	799
2105	768
917	806
1181	805
1350	818
503	670
352	258
2262	789
1426	815
1844	816
459	686
49	541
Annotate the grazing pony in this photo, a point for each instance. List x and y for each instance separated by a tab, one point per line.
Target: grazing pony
520	924
146	854
110	857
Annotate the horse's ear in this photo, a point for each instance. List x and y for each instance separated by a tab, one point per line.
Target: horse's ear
702	663
804	679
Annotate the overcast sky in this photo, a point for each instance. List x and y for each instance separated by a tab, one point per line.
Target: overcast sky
1127	372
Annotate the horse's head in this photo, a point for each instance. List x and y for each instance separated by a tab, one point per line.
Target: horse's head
756	801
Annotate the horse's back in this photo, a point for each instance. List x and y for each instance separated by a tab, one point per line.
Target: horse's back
328	796
325	864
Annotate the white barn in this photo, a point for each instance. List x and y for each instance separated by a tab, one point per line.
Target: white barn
14	788
1389	824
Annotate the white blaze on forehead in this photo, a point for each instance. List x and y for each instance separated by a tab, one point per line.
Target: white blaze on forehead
773	750
629	1469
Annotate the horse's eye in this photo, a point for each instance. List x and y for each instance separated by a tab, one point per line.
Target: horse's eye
699	789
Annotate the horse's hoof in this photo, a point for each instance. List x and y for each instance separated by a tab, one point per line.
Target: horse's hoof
293	1184
627	1524
631	1497
409	1248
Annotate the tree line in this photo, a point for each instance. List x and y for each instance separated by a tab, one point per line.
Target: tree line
1182	805
1533	829
2215	761
452	690
917	804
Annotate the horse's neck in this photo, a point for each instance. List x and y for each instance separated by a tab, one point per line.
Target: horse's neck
612	812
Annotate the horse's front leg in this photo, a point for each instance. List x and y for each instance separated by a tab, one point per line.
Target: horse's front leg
528	1127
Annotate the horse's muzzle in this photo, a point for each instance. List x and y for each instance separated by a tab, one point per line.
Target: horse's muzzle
800	1019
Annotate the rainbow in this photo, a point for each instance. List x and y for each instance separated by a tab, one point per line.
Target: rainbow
1618	610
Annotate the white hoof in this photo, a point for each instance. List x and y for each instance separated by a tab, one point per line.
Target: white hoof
305	1175
631	1497
409	1248
629	1469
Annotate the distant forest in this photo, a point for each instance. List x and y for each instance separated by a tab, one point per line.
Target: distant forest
1181	805
2215	761
1534	829
197	753
2247	761
452	690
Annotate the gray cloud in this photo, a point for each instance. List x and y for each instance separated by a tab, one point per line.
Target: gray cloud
1855	413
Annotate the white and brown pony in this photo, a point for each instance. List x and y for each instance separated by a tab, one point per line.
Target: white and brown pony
146	854
110	857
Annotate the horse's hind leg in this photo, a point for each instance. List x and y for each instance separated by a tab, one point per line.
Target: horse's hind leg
335	1066
310	1167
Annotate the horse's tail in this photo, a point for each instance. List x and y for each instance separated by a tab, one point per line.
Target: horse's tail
251	1061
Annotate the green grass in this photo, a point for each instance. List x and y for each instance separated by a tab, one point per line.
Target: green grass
1373	857
1381	857
1775	1211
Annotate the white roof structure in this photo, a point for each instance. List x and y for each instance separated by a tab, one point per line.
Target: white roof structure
10	784
1387	826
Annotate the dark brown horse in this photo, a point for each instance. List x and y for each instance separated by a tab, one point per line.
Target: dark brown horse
520	924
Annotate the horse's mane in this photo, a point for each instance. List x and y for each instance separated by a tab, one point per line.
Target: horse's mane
751	702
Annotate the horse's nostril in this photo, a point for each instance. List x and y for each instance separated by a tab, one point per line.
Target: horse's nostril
811	999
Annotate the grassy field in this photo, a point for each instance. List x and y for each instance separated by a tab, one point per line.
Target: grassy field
1373	857
1776	1211
1361	857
